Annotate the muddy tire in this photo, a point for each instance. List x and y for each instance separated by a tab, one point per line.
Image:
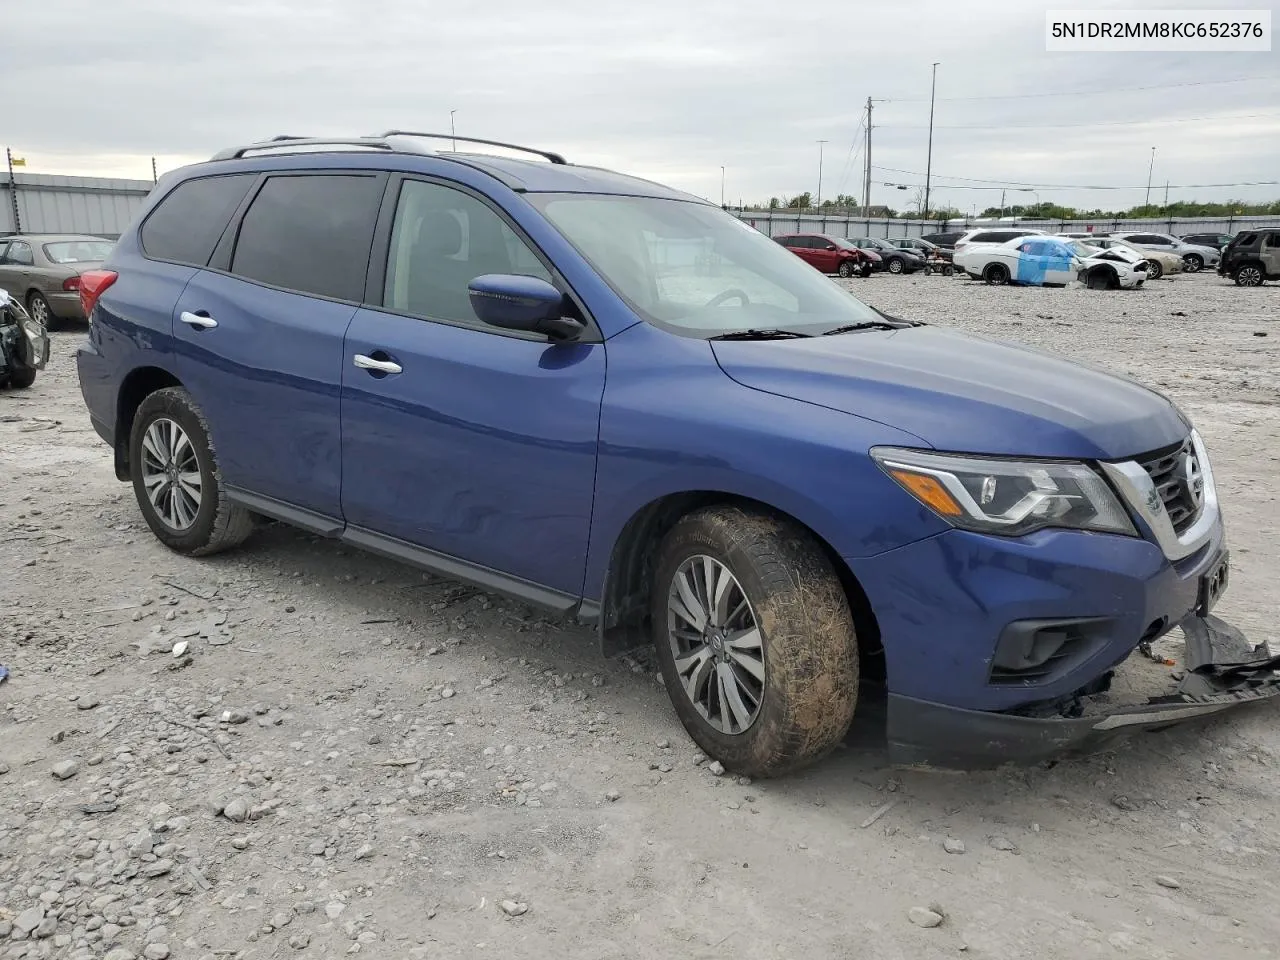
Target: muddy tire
176	479
996	274
769	681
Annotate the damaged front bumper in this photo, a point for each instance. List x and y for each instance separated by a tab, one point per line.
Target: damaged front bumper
1220	670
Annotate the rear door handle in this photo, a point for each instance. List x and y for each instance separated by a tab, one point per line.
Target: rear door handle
381	366
196	320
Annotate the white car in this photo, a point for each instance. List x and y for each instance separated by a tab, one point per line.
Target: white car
1159	263
1036	260
988	235
1116	268
1194	256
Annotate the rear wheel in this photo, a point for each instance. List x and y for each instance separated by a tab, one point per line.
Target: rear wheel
176	478
40	311
1249	275
1192	263
755	640
996	274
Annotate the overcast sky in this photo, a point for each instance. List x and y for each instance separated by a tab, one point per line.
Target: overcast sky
667	89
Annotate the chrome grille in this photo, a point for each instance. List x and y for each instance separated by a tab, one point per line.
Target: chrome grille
1178	478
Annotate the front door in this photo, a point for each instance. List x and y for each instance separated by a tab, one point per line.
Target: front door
259	343
460	440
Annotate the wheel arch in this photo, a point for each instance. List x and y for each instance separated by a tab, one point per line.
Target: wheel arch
139	384
623	609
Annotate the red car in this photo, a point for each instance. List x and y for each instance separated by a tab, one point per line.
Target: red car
830	254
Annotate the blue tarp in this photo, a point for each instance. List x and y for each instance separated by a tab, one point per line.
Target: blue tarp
1037	256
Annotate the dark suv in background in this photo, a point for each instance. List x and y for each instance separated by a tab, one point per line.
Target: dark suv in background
1252	258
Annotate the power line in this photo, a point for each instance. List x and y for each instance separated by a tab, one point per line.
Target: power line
1094	123
1084	186
1084	93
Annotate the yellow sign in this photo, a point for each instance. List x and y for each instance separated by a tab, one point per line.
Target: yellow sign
19	161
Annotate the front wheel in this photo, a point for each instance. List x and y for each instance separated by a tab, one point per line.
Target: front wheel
20	376
845	269
865	271
755	639
1250	275
895	265
1155	270
1192	263
176	478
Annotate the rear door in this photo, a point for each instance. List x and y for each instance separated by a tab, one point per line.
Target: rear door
259	336
1271	253
806	248
479	444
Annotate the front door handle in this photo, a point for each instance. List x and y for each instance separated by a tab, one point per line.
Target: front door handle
380	366
196	320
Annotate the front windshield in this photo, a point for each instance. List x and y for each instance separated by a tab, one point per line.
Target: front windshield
78	251
697	270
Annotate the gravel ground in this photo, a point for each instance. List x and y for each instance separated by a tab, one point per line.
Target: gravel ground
351	757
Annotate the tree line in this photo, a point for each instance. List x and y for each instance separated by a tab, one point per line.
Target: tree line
846	205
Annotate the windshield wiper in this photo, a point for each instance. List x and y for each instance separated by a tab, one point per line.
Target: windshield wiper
874	325
759	335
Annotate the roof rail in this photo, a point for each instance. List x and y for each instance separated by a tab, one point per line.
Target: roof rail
286	142
546	154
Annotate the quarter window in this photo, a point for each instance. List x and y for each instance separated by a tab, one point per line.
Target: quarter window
186	225
441	240
310	233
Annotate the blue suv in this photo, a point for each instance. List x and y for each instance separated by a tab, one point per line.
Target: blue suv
605	397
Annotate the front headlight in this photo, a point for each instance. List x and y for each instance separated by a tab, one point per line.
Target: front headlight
1006	497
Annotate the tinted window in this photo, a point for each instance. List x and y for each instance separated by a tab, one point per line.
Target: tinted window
19	254
1150	239
786	241
186	225
441	240
310	233
1272	240
1246	240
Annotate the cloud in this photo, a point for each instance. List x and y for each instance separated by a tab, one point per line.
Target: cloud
668	89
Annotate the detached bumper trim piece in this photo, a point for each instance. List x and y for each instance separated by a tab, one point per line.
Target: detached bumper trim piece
924	734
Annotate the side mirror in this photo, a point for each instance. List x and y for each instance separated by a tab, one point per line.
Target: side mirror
831	246
514	302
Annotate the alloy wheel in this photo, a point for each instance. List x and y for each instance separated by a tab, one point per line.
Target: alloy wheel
1249	276
40	310
171	473
895	265
716	644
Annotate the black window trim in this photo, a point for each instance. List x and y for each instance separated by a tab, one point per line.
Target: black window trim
224	249
254	183
375	278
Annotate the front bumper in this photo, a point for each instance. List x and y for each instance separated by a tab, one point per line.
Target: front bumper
1221	672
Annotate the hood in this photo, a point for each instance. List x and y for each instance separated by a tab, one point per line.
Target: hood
963	393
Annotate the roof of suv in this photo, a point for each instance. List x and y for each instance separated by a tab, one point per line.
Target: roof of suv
400	150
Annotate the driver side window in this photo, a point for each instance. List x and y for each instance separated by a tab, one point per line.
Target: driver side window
441	240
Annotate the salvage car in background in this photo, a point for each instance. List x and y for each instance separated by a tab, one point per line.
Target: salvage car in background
1034	261
1252	258
43	272
923	247
893	259
24	344
1159	263
829	254
1194	258
1120	268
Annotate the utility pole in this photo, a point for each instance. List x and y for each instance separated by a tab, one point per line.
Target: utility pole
13	192
1150	167
818	202
1002	203
866	182
928	163
722	185
155	177
1166	193
453	133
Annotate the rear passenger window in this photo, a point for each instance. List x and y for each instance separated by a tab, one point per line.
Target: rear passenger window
441	240
310	233
185	227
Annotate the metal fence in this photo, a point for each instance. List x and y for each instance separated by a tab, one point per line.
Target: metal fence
776	222
97	206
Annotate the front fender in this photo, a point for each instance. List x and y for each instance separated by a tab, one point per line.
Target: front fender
673	422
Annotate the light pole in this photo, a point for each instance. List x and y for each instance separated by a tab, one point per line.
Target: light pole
722	185
928	163
453	134
1150	167
818	203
